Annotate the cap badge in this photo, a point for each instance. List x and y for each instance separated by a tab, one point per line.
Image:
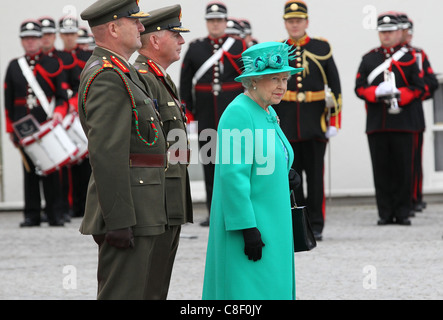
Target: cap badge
294	6
386	19
45	23
29	26
214	8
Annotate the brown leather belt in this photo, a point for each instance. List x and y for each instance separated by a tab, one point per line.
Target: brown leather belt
145	160
307	96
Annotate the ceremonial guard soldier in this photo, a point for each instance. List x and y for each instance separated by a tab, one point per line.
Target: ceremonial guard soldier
161	43
85	40
431	84
78	173
207	83
125	207
310	111
35	92
247	29
390	83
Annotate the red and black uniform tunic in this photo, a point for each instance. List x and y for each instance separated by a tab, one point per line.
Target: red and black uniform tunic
390	136
214	90
75	177
304	118
18	96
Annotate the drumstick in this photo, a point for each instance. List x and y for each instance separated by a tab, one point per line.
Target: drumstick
25	162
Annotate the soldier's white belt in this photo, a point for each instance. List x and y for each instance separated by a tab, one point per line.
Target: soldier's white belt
307	96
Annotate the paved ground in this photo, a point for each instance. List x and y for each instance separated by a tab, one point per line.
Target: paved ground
356	260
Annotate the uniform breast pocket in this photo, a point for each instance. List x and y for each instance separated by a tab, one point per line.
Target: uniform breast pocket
171	116
147	187
147	125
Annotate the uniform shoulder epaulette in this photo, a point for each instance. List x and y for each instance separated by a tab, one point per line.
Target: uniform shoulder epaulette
119	64
106	64
321	39
154	68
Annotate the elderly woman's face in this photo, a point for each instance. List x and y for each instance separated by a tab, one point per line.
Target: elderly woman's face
270	88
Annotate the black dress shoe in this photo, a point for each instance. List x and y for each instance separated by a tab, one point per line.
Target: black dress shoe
403	222
418	207
57	223
205	223
317	236
29	223
383	222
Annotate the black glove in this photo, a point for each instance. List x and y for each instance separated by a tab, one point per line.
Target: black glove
253	243
294	179
120	238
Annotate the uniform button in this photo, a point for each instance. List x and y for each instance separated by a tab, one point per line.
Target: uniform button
216	81
299	85
297	53
216	74
152	118
298	65
297	48
175	118
141	181
299	59
299	78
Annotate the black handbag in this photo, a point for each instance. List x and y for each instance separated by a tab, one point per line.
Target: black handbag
301	228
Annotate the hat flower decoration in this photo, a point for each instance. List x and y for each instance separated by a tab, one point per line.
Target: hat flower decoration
268	58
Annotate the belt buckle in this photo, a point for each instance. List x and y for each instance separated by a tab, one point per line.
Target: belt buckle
301	96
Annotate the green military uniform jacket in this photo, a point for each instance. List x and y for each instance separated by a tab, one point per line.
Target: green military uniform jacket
165	93
127	149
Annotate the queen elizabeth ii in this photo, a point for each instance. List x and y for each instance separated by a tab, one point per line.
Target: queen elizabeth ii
250	251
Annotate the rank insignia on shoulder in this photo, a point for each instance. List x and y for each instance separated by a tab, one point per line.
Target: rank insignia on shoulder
155	68
119	64
107	64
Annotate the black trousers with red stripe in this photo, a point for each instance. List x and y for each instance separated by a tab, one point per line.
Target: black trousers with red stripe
417	178
391	155
309	158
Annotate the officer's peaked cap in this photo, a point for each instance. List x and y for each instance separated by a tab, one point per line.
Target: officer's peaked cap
48	25
30	28
103	11
166	18
216	10
295	9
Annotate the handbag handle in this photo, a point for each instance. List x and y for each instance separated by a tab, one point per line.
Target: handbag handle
293	202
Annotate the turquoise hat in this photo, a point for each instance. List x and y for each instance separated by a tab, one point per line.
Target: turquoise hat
267	58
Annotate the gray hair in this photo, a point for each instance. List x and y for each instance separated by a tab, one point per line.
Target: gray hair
247	82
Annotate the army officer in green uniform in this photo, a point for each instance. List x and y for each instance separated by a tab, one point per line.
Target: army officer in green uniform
125	208
161	45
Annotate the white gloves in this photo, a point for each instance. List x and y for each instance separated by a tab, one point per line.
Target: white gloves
331	132
386	89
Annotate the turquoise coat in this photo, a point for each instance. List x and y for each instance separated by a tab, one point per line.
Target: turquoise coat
251	189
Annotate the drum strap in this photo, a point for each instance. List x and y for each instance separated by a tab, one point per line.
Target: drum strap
131	96
32	81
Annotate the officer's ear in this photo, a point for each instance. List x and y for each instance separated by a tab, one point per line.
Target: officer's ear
112	28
